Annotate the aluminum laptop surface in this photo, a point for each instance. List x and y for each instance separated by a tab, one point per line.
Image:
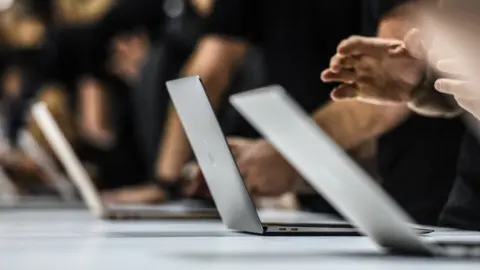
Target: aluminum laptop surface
76	171
329	169
224	180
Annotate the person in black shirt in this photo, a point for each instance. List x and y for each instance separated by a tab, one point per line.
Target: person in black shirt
65	58
461	210
416	159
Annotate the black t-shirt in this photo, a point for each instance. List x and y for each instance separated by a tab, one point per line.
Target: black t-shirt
62	58
417	160
462	210
70	50
297	38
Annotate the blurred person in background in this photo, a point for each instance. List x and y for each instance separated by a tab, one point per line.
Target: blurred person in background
76	58
149	41
56	70
99	65
21	32
437	79
182	24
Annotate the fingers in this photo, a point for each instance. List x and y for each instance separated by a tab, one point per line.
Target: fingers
468	104
339	62
235	142
452	66
255	184
461	89
448	66
414	44
358	45
108	198
344	76
238	147
344	92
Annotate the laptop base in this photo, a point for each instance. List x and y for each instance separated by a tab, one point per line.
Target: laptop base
183	209
156	215
311	230
326	229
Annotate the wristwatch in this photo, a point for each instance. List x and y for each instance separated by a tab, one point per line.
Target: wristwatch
171	187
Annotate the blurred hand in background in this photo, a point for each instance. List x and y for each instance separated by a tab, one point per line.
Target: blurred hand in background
265	171
129	52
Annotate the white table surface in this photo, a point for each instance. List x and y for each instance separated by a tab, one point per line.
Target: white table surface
72	239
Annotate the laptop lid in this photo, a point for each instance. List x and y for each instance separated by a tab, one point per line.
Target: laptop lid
31	147
65	153
213	154
327	167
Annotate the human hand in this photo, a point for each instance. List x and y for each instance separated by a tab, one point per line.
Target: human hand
455	55
376	70
129	51
265	171
26	173
463	87
195	184
97	136
145	194
17	160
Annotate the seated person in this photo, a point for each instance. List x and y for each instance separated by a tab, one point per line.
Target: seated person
405	144
417	66
20	167
59	59
174	44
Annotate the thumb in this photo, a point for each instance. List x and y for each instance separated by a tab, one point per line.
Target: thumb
414	44
344	92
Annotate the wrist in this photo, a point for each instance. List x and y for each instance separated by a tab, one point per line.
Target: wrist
172	188
425	100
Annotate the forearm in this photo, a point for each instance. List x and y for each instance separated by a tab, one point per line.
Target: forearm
92	106
174	150
214	62
351	123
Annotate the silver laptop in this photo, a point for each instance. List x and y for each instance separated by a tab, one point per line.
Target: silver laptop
226	185
333	174
75	170
11	197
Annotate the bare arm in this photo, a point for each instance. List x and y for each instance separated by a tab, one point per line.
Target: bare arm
351	123
93	116
214	60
